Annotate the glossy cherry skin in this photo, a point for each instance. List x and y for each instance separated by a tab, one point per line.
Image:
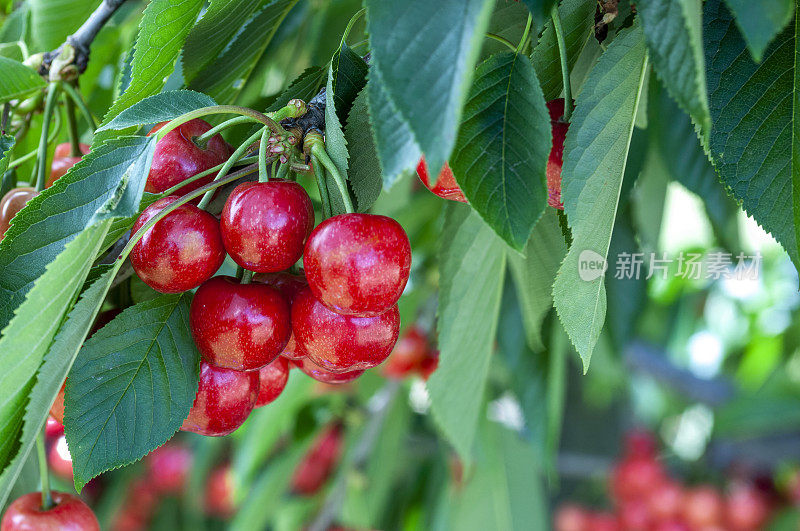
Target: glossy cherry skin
571	518
68	514
14	200
181	251
218	498
634	477
239	326
318	463
177	157
265	225
412	354
321	375
53	428
342	343
63	161
57	409
289	285
556	108
358	264
272	380
224	400
59	459
703	507
168	468
446	186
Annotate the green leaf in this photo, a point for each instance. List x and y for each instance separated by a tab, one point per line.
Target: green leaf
424	55
162	30
595	153
208	38
54	20
751	113
503	146
224	78
472	266
760	22
577	19
158	108
304	87
673	32
6	144
535	272
508	21
349	77
41	230
796	136
365	174
336	146
131	387
540	9
17	80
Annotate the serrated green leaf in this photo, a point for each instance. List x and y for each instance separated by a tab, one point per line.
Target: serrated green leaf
365	170
220	23
424	54
751	114
304	87
535	272
796	135
158	108
224	78
673	33
131	387
336	146
54	20
540	9
17	80
162	30
503	146
349	77
508	21
577	19
760	22
472	266
6	145
595	154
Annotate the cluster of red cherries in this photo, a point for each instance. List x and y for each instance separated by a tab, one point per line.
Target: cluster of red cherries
646	498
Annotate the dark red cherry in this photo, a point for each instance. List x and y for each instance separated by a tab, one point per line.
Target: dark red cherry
446	186
272	380
168	468
556	108
265	225
68	514
239	326
53	428
14	200
63	161
342	343
408	355
224	400
289	285
319	462
321	375
218	496
358	264
177	157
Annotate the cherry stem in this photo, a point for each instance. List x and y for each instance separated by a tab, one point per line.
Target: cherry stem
49	108
227	166
77	99
274	126
283	171
203	139
318	150
72	127
503	40
562	52
295	108
247	276
47	498
263	174
319	175
524	40
193	178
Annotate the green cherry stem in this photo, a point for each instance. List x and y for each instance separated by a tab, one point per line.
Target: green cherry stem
263	173
193	178
283	171
503	40
294	109
228	165
49	108
205	137
247	276
274	126
47	498
562	52
318	150
319	175
524	40
78	100
72	127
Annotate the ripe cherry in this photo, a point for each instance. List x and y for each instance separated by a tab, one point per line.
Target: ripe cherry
640	443
446	186
14	200
358	264
181	251
219	493
168	468
746	508
289	285
604	522
634	515
408	355
59	458
239	326
141	501
635	477
63	161
57	409
265	225
341	343
318	463
177	157
53	428
68	513
556	108
703	507
272	380
224	400
665	500
571	518
321	375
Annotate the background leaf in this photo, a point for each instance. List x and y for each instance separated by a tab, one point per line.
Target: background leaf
540	10
17	80
503	146
349	77
760	22
158	108
54	20
365	175
336	146
6	144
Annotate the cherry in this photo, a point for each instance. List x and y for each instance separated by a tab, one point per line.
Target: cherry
69	513
673	525
289	285
219	493
556	108
179	252
14	200
408	355
318	463
746	508
140	503
239	326
177	157
57	409
265	225
168	468
358	264
53	428
63	161
634	515
429	364
272	380
640	443
224	400
446	186
341	343
571	518
703	507
59	459
604	522
321	375
665	501
634	477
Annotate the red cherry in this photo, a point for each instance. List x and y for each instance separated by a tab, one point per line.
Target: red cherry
640	443
429	364
673	525
604	522
358	264
665	500
168	468
11	204
57	409
265	225
224	400
53	428
177	157
571	518
446	186
179	252
219	493
63	161
556	108
321	375
318	463
703	507
272	380
289	285
635	477
59	459
69	513
140	503
634	515
341	343
746	508
408	355
239	326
